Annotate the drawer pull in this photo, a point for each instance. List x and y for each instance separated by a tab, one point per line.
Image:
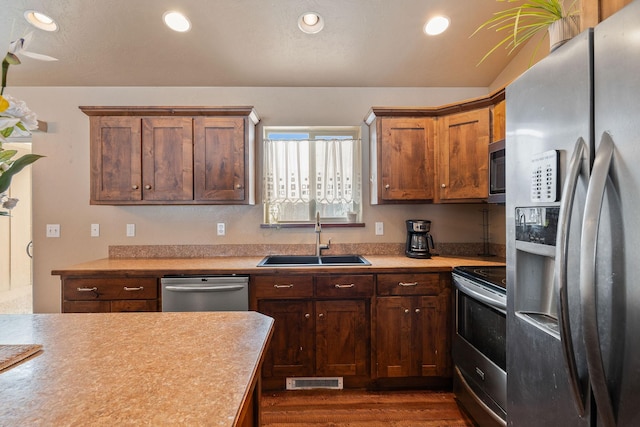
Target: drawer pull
408	283
94	289
290	285
139	288
346	285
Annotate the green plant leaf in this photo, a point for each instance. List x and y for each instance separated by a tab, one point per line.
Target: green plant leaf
16	166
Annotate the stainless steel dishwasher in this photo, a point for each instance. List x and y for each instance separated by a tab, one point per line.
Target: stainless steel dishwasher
205	293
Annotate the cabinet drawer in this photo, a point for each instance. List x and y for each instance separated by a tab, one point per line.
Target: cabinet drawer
102	288
344	286
283	286
86	306
410	284
134	305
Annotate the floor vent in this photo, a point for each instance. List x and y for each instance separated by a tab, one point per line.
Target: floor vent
309	383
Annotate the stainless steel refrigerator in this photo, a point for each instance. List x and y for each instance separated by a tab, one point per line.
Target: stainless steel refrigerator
573	232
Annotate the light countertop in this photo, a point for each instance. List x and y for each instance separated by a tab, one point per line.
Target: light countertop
132	368
248	265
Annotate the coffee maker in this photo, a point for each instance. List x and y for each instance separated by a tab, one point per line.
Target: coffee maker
418	238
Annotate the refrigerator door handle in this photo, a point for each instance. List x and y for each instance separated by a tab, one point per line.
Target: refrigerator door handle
560	273
590	224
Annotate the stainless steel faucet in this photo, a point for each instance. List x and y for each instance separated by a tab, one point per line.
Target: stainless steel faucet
318	229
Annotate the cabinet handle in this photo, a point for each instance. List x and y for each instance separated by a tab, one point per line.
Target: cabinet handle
306	316
148	187
94	289
346	285
387	186
135	186
443	185
321	315
290	285
407	284
139	288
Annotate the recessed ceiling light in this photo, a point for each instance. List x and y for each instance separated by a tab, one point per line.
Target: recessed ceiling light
436	25
310	23
176	21
40	20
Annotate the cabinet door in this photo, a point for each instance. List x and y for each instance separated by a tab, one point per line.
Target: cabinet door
116	161
167	159
499	122
463	159
406	159
431	335
220	159
394	335
291	349
342	338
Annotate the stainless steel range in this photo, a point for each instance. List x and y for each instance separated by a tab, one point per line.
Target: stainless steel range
479	343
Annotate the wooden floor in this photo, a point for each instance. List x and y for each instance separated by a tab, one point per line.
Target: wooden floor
355	408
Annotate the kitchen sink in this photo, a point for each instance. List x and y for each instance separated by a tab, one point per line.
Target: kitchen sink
311	260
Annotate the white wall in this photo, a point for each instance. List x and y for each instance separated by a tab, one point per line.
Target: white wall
61	180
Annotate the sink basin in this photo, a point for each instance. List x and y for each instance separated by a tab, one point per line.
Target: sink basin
311	260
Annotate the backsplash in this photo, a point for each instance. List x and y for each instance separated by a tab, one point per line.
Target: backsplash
209	251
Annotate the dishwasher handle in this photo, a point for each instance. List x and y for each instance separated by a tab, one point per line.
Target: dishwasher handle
192	288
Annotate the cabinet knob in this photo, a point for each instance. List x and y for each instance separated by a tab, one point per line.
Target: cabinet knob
417	310
387	186
443	185
306	316
135	186
148	187
406	310
321	315
238	186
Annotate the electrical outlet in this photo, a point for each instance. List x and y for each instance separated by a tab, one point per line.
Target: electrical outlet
379	228
95	230
221	229
131	230
53	230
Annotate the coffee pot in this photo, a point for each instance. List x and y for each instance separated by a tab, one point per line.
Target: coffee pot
418	238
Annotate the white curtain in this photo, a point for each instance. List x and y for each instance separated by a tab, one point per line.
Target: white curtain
305	176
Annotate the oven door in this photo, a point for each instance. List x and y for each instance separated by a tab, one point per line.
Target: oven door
479	352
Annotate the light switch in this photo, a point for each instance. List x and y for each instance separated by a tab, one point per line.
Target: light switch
379	228
131	230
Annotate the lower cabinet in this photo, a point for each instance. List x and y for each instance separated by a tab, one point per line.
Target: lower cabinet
104	295
413	317
322	325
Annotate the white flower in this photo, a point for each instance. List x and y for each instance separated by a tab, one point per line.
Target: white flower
19	111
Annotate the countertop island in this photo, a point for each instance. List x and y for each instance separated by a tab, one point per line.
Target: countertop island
135	369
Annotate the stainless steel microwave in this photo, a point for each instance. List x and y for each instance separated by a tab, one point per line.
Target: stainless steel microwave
497	181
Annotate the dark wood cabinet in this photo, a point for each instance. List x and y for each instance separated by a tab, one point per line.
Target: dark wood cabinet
402	159
463	160
172	155
106	294
413	326
322	325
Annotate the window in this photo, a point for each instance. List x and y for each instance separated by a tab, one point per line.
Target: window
309	170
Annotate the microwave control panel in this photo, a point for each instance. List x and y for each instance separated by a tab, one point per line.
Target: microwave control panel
545	182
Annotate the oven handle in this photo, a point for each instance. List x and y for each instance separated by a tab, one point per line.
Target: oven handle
462	287
560	274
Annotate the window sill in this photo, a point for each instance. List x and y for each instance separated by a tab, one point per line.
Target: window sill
312	225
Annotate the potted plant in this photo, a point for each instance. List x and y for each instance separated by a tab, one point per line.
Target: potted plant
524	21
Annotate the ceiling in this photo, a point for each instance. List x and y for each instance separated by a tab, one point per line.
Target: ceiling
364	43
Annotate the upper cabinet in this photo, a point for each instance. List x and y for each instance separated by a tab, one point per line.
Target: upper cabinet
172	155
402	159
463	159
440	154
594	11
499	121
